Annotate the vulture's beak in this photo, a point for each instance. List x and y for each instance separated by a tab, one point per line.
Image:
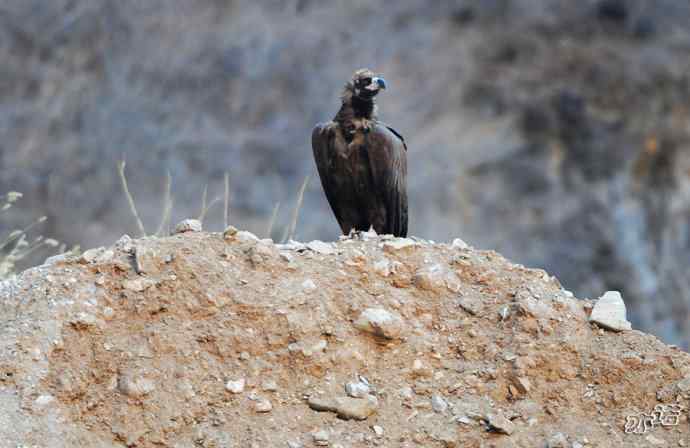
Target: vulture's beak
376	84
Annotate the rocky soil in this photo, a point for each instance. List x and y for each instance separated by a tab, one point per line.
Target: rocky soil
224	340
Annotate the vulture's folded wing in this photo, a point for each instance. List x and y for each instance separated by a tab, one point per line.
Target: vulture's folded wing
323	141
388	159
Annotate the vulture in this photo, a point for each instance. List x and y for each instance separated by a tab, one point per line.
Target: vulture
362	162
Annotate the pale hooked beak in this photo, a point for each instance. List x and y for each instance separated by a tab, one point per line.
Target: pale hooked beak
376	84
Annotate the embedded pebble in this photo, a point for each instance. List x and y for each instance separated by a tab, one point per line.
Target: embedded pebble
320	247
380	322
558	440
499	423
188	225
138	284
235	387
263	405
471	304
321	437
609	312
347	408
396	244
357	389
459	244
308	285
438	404
135	385
269	386
377	430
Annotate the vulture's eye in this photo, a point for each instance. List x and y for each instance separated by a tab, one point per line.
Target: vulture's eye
365	81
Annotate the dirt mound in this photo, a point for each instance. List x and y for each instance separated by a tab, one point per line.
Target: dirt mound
206	340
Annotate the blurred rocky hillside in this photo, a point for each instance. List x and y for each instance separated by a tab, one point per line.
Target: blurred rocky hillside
553	131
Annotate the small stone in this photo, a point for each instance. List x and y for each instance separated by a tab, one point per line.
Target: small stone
347	408
138	284
321	437
577	445
380	322
145	260
471	304
438	404
84	321
356	408
430	278
377	430
308	285
263	405
89	256
523	384
134	385
499	423
383	267
654	441
188	225
465	420
229	232
235	387
406	393
269	386
459	244
320	247
291	444
683	385
244	236
44	400
558	440
397	244
609	312
420	369
357	389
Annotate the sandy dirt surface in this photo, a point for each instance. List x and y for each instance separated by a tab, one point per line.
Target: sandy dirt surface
210	340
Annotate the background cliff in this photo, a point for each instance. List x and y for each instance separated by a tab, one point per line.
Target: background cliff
553	131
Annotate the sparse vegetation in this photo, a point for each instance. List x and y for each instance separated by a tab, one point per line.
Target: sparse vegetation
17	244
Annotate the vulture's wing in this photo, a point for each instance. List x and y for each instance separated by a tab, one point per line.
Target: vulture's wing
324	145
386	149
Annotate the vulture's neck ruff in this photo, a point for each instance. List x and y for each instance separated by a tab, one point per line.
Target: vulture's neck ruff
355	106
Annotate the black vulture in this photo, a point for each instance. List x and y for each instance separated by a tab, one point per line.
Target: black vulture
362	162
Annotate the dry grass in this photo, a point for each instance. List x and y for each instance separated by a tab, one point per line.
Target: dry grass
17	245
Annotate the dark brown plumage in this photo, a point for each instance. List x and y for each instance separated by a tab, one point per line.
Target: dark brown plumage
362	162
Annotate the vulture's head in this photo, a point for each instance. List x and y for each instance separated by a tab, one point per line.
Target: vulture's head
364	85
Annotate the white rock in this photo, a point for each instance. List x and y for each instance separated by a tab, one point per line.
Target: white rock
500	424
263	405
357	389
459	244
308	285
321	437
44	400
654	441
609	312
188	225
135	385
269	386
398	244
244	236
89	256
235	387
320	247
380	323
377	430
438	404
558	440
